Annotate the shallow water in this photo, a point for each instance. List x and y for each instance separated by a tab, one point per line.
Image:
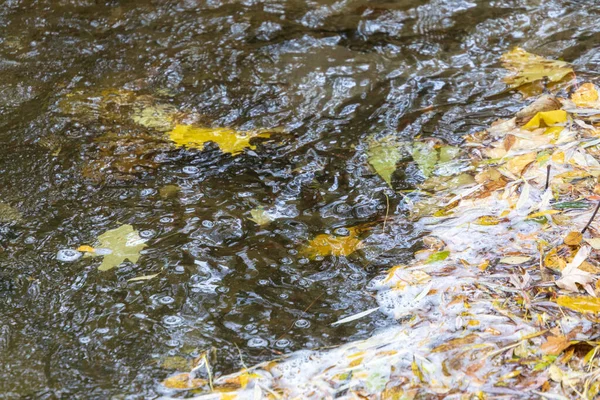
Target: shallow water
328	75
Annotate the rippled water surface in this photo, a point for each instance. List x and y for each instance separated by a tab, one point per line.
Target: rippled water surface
326	76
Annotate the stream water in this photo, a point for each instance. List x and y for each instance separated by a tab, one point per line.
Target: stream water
327	75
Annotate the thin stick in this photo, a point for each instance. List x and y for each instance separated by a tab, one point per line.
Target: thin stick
591	219
387	210
547	176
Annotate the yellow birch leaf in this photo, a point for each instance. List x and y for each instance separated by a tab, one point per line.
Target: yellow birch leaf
546	118
585	94
527	68
573	238
580	303
87	249
487	220
325	245
517	164
228	140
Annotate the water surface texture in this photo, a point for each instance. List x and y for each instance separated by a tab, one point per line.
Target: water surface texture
325	76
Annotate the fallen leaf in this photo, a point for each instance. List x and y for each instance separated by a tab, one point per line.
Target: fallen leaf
87	249
573	238
158	117
580	303
572	275
260	216
426	156
183	382
517	164
228	140
555	344
383	155
594	242
528	68
515	260
123	242
336	245
454	343
143	278
439	256
585	95
546	119
488	220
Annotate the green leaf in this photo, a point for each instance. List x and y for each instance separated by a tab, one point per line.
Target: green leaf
448	153
571	204
425	156
124	243
383	157
439	256
159	116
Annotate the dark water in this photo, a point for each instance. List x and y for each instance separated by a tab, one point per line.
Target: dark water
327	74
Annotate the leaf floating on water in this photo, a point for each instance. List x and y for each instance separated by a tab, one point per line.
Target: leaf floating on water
514	260
383	155
439	256
355	316
585	95
228	140
546	119
528	68
183	382
580	303
123	242
143	278
324	245
9	214
426	156
572	275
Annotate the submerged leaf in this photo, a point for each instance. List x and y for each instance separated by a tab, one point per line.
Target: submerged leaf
426	156
228	140
585	95
528	68
325	245
439	256
383	157
159	117
183	381
260	216
123	243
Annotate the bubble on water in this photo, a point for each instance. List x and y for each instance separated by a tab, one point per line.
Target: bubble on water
208	224
147	192
302	323
282	343
341	208
102	331
284	296
68	255
293	252
342	232
257	342
355	276
173	343
263	282
191	170
303	261
319	258
222	289
180	269
85	339
30	240
286	260
166	300
147	233
172	320
166	220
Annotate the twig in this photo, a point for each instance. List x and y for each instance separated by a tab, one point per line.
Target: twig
591	219
547	176
387	210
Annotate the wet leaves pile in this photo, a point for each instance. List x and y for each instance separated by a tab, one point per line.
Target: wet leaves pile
502	300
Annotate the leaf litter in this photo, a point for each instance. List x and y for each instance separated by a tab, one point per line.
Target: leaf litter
502	302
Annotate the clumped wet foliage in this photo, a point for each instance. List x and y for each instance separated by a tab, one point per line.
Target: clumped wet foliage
243	149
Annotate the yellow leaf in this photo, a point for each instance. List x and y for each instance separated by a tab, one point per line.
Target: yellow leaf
528	68
580	303
542	214
228	140
546	118
488	220
88	249
585	94
325	245
183	381
573	238
143	278
454	343
517	164
242	379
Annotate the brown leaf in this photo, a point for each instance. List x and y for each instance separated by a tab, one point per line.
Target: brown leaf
183	381
555	345
454	343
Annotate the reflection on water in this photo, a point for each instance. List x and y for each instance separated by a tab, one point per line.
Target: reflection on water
82	155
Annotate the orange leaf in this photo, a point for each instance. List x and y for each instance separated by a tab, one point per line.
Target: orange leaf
86	248
183	381
555	345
